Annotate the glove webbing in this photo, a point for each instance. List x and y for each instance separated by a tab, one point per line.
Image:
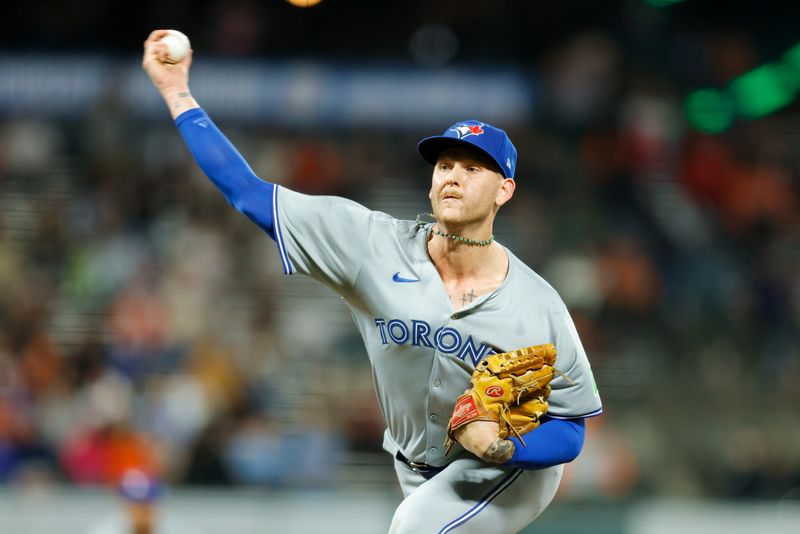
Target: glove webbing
520	359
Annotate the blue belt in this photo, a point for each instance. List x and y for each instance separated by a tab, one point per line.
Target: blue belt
426	471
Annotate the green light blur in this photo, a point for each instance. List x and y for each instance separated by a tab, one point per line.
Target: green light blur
760	91
752	95
709	110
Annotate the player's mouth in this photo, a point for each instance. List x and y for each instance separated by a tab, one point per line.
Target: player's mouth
450	196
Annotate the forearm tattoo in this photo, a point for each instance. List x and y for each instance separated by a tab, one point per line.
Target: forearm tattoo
500	451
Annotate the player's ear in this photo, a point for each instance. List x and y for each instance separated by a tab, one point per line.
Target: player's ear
505	192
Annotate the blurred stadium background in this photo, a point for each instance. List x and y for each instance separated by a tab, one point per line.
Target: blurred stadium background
144	323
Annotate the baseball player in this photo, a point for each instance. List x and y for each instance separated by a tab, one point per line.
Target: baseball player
431	300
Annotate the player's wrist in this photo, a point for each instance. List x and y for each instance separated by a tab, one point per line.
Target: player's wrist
518	449
174	88
179	99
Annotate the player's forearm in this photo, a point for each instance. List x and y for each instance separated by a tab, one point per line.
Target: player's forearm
226	167
554	442
179	100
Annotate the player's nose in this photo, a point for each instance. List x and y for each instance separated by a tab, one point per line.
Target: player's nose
454	176
450	182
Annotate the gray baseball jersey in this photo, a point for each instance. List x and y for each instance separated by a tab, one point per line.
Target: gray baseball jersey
422	350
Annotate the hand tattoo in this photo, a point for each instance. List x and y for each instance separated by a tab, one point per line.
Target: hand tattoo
500	451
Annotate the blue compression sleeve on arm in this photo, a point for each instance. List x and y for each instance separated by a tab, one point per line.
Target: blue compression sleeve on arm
555	441
223	164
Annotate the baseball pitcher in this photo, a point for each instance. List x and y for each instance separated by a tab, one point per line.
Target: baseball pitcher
480	375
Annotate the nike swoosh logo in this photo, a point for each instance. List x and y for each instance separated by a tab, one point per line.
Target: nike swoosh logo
398	278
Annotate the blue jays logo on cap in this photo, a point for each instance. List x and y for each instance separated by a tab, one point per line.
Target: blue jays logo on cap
490	140
465	129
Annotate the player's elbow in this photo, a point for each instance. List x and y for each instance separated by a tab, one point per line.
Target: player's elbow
257	204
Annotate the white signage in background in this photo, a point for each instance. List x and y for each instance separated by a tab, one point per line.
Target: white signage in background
303	94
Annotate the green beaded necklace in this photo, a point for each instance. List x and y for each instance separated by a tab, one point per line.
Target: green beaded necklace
465	240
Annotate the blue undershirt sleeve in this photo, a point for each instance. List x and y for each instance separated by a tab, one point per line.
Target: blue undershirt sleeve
555	441
229	171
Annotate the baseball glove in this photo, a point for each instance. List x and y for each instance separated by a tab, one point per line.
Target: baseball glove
511	389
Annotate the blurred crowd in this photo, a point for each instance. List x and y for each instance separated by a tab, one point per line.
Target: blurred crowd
144	323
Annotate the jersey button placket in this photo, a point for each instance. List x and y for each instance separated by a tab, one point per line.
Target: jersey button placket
435	404
434	426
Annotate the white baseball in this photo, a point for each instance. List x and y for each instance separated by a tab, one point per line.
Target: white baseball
177	45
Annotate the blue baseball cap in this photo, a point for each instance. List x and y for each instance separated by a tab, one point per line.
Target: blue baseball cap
492	141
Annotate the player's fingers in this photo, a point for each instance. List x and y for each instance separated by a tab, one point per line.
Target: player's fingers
155	35
153	48
155	51
152	53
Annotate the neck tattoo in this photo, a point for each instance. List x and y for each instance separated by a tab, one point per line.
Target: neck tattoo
454	237
467	298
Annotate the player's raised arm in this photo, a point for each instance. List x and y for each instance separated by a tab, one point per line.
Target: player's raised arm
310	239
212	151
